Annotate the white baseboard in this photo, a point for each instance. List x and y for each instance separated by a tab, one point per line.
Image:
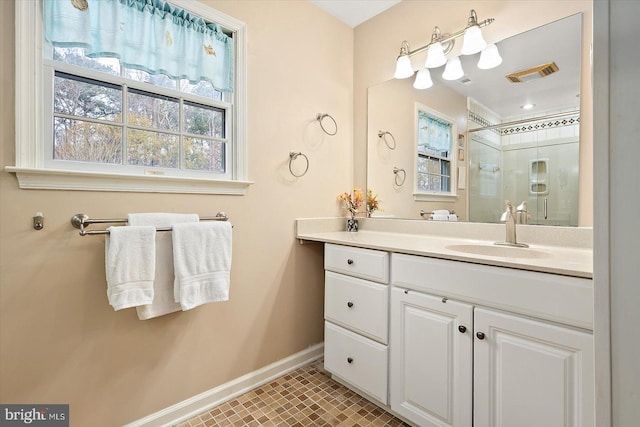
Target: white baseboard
204	401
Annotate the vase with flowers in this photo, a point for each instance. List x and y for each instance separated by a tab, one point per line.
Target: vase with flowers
352	202
373	204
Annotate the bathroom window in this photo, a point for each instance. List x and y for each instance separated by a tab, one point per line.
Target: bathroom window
110	115
435	162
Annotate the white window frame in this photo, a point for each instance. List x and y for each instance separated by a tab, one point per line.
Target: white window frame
435	196
30	168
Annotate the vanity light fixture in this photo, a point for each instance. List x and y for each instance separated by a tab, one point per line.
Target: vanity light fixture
423	79
440	45
453	69
435	51
403	64
489	58
473	40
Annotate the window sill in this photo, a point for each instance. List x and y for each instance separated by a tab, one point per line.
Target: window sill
434	197
52	179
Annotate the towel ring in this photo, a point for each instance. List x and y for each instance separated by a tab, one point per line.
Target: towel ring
383	134
320	117
396	172
292	156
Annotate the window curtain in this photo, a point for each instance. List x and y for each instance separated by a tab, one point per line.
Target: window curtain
434	134
147	35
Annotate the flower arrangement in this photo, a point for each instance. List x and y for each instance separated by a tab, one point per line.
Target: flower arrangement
352	201
373	204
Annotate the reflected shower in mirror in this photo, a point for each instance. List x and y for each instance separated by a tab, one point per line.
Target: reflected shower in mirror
503	151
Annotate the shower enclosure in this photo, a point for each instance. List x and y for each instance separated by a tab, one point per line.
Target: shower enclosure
532	159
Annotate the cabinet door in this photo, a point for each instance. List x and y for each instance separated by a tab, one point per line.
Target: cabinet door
431	359
529	373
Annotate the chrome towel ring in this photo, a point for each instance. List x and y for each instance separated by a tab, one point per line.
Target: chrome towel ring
400	179
320	117
383	134
292	156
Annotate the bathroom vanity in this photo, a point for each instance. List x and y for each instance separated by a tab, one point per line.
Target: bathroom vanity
426	324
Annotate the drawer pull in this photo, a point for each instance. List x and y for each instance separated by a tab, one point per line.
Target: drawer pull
349	360
462	329
350	261
349	304
480	335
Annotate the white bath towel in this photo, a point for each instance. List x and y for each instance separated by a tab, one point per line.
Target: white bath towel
130	265
202	262
163	300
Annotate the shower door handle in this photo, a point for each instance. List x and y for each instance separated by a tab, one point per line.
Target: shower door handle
545	208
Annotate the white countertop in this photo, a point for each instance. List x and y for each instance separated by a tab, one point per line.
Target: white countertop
565	260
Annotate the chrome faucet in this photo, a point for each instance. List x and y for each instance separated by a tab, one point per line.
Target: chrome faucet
522	215
509	218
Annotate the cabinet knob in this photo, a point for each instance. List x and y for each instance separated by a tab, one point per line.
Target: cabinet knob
349	360
349	261
480	335
349	304
462	329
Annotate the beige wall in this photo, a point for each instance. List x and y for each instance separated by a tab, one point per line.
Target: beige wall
60	341
377	43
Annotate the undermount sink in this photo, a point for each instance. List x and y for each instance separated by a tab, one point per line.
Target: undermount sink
498	251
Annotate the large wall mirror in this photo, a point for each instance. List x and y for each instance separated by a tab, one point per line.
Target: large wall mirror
503	151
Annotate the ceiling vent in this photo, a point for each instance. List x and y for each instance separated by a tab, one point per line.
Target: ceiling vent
532	73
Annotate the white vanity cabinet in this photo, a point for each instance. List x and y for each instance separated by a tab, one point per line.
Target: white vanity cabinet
445	343
356	318
511	369
431	376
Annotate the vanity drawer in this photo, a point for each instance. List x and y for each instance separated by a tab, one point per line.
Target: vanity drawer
357	360
357	304
562	299
365	263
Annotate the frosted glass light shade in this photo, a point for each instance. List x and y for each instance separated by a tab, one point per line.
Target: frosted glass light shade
435	56
404	68
473	41
423	79
489	57
453	70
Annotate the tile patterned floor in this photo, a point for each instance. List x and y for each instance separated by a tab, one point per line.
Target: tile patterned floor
304	397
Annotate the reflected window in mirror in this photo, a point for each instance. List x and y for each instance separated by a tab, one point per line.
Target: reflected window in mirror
435	162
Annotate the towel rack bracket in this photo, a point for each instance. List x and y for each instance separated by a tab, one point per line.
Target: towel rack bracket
78	220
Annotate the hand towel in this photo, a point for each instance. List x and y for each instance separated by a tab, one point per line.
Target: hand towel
163	300
202	262
439	217
453	217
130	265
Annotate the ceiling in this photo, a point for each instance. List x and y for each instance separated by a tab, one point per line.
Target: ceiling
354	12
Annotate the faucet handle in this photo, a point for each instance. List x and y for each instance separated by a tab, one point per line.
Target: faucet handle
522	207
509	206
